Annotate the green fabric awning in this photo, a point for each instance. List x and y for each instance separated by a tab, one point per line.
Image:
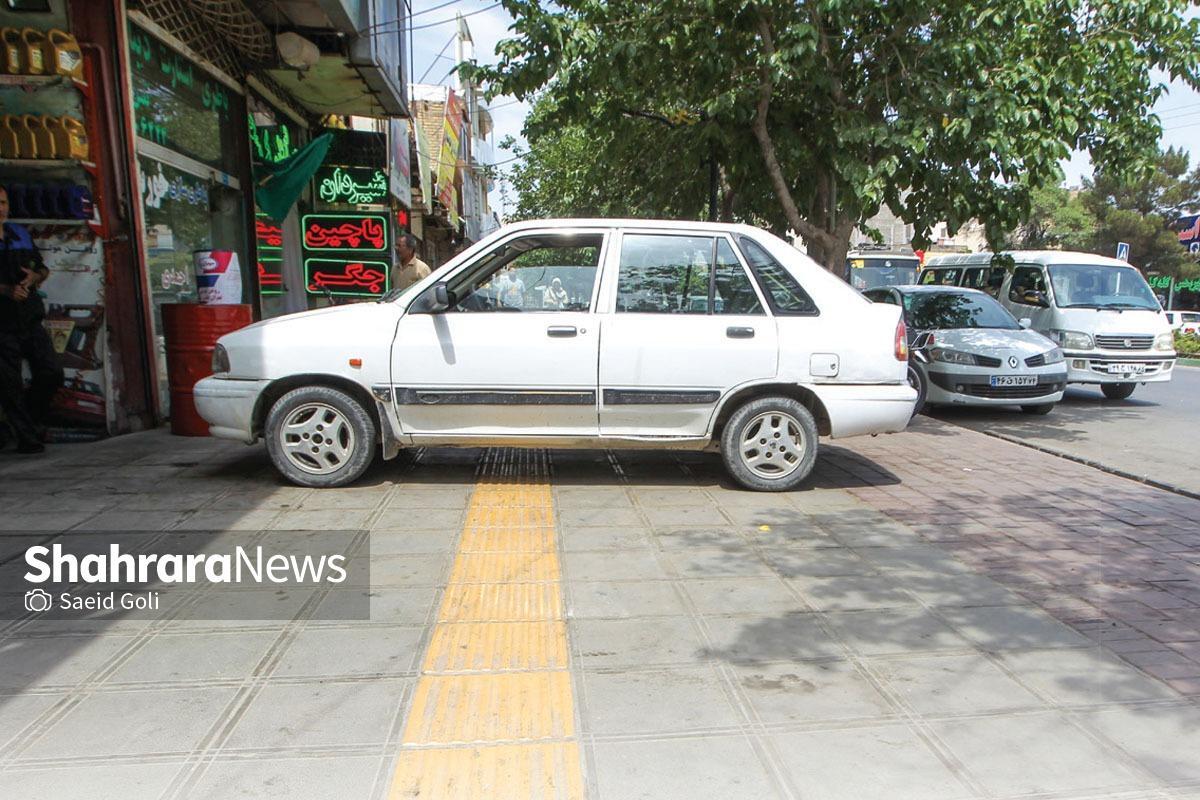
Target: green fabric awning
277	186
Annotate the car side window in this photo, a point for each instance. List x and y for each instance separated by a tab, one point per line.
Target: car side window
1024	281
664	274
929	276
785	294
732	291
540	272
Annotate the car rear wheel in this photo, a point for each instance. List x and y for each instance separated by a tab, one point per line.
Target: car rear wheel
320	437
770	444
1117	391
1039	409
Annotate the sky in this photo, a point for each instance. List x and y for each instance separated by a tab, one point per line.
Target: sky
433	27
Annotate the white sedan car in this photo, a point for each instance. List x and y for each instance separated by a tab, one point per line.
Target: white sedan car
969	350
667	335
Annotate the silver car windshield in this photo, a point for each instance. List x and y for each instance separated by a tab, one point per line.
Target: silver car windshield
1094	286
932	311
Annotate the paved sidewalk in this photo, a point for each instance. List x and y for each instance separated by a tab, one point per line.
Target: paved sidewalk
944	615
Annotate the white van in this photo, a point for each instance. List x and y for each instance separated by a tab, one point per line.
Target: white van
1101	311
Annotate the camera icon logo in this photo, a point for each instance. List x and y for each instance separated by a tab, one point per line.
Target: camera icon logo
38	600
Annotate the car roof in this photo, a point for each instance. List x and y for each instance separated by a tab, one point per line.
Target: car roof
913	288
1043	257
649	224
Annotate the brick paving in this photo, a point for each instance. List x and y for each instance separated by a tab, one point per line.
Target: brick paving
1115	559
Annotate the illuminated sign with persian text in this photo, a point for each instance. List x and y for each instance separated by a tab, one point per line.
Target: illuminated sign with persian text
268	234
346	278
271	143
352	185
361	233
270	276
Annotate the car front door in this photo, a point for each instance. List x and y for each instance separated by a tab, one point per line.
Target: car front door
516	352
684	325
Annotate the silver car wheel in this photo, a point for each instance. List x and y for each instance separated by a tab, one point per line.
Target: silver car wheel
773	445
317	438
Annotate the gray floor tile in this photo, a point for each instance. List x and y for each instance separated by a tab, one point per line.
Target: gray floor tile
1163	739
423	519
228	520
283	715
715	562
17	711
919	558
598	538
194	657
291	779
686	496
57	661
409	570
809	691
603	516
690	538
817	562
704	513
95	782
751	639
955	589
668	700
681	769
606	566
384	543
334	652
618	600
866	762
622	643
894	631
591	497
413	496
764	594
1025	754
134	723
1084	677
1012	627
337	520
388	605
967	684
852	592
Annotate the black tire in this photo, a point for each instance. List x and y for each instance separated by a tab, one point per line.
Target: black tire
792	463
916	379
1117	391
1039	409
319	411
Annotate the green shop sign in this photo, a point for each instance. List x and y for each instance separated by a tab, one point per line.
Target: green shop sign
271	143
1190	285
1159	281
352	185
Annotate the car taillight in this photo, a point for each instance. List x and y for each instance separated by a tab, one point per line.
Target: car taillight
901	341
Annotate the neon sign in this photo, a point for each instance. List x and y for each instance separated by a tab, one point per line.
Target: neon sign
271	143
267	233
1191	285
354	232
353	185
270	276
346	278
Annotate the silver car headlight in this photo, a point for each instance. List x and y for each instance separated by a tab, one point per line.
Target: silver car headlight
1072	340
220	360
953	356
1054	356
1165	342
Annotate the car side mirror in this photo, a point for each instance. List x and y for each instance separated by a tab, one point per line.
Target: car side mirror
1025	322
434	300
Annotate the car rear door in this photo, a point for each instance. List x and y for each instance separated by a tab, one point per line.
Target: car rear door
684	324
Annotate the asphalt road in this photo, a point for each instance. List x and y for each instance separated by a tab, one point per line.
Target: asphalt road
1155	434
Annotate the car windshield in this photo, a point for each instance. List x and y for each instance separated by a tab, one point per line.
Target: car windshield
868	273
1094	286
928	311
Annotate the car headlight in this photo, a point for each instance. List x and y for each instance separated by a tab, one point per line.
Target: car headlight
953	356
1165	342
1054	356
220	360
1072	340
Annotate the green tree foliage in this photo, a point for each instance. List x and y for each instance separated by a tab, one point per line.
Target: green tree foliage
1058	220
820	111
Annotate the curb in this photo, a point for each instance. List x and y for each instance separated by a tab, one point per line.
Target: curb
1188	362
1087	462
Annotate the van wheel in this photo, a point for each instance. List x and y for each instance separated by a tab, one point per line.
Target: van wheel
1039	409
320	437
917	381
1117	391
770	444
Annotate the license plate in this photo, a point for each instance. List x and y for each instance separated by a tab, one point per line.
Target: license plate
1014	380
1127	369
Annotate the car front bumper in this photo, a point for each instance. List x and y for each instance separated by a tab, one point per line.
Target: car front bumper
1094	367
970	387
227	405
858	409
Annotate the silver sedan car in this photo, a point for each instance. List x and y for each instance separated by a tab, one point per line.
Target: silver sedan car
967	349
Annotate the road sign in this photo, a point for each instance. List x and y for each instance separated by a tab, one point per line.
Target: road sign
1123	251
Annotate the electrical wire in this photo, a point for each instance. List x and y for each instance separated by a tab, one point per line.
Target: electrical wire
454	18
435	58
433	8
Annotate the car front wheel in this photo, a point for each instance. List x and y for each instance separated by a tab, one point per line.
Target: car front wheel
1117	391
770	444
320	437
916	379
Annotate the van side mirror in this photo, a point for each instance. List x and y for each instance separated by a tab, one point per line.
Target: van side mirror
434	300
1025	322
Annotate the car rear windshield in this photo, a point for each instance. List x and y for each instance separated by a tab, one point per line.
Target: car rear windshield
928	311
1095	286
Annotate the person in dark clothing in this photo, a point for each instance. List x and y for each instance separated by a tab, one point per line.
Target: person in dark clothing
22	336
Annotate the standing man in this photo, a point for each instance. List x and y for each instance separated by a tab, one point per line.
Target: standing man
22	336
409	269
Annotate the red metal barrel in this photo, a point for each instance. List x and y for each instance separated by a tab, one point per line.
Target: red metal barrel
191	332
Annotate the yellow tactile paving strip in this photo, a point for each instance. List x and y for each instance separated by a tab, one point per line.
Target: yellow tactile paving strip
493	713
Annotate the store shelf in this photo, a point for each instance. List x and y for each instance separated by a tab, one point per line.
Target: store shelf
48	221
36	82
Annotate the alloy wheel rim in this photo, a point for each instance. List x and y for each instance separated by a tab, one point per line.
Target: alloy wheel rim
773	445
317	438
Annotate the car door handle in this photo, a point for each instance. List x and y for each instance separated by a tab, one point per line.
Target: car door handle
734	332
561	331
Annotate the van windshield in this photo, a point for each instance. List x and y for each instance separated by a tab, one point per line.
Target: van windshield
869	273
1094	286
